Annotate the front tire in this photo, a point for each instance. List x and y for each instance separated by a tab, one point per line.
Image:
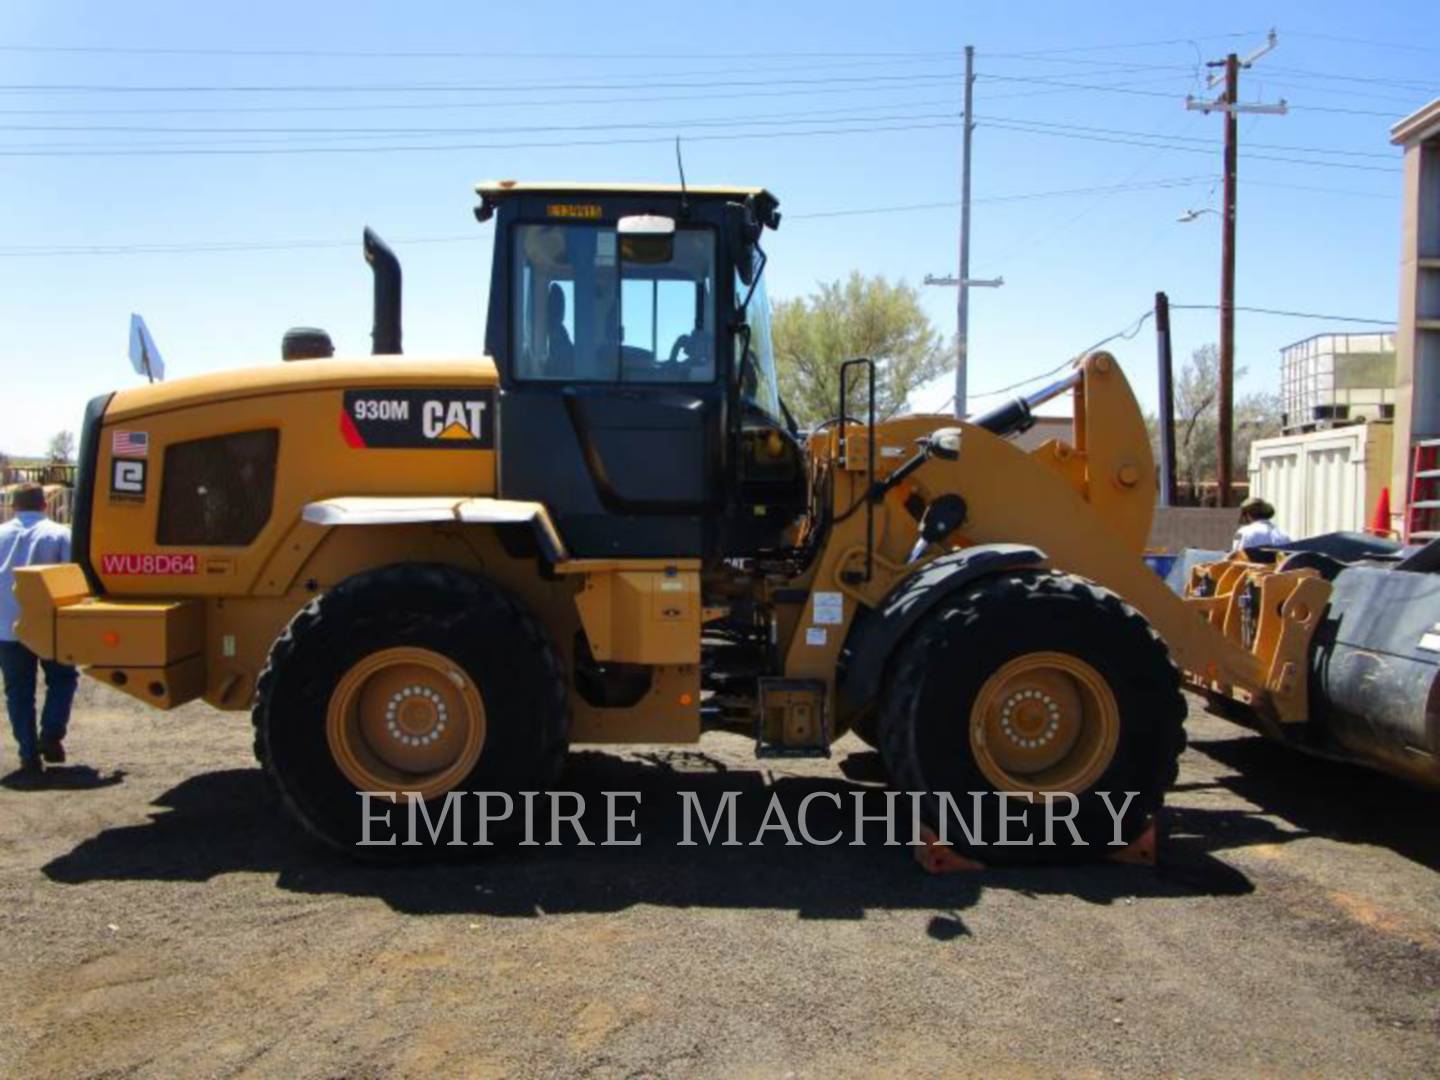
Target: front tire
1035	682
413	677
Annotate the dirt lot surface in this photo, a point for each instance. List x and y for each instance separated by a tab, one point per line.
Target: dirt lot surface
158	917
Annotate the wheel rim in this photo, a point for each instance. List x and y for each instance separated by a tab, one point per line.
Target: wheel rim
406	719
1045	721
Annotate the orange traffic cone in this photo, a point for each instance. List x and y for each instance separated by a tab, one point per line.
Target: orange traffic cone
1380	522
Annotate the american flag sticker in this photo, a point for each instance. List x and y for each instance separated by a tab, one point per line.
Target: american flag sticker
130	444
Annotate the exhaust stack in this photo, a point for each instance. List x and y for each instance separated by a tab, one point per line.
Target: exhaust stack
385	333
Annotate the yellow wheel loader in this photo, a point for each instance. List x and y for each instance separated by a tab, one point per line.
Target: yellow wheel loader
434	576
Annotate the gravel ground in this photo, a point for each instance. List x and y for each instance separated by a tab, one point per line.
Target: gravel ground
158	917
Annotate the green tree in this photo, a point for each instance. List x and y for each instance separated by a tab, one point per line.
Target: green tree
861	316
62	446
1197	421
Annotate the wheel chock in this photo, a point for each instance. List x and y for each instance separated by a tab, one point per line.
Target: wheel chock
937	857
1142	851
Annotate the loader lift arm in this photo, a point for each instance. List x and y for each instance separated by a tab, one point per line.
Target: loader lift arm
1082	506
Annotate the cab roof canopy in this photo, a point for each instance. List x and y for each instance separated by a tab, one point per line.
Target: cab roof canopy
494	191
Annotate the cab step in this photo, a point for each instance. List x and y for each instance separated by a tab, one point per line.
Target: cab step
791	721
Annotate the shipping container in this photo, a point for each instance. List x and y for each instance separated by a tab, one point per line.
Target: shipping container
1323	481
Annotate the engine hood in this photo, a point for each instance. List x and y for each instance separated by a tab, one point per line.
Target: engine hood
340	373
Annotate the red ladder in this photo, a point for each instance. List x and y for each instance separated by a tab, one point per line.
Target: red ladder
1422	511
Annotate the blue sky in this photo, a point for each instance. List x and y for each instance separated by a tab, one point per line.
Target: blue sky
858	103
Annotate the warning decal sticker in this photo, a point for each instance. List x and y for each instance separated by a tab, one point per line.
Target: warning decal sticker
829	608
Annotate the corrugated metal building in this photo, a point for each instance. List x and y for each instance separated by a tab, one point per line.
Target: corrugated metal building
1417	373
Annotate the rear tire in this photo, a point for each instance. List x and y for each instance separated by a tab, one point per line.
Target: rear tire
1034	681
866	728
419	619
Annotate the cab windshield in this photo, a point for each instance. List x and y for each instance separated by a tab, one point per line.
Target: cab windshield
584	312
759	384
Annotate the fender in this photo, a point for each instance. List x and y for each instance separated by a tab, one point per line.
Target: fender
879	630
461	509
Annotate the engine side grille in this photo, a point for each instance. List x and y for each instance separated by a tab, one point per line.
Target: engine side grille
218	492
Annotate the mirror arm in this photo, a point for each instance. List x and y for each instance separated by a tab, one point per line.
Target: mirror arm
789	417
742	329
755	279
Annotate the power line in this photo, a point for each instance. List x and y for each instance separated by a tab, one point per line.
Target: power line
1099	189
443	88
1133	327
1149	141
1105	189
676	123
1129	330
511	87
1044	236
1323	190
1161	94
359	131
1342	111
289	130
1331	76
487	104
214	247
1321	316
492	54
892	122
226	151
1129	45
850	58
1408	46
223	246
1306	84
1068	85
1167	80
1189	139
1126	333
279	142
1108	65
457	54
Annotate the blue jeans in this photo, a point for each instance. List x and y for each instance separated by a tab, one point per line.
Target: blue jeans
18	665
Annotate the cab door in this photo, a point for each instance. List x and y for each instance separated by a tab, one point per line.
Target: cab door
613	402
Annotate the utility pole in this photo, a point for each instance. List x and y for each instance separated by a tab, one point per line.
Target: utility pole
1167	399
964	281
1228	104
962	302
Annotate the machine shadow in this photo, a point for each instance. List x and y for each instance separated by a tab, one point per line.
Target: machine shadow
227	822
1332	799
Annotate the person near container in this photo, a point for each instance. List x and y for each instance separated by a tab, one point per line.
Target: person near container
1257	530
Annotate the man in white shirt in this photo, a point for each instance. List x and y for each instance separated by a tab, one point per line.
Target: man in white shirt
32	539
1256	529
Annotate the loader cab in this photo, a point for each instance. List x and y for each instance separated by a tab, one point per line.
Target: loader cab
631	384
